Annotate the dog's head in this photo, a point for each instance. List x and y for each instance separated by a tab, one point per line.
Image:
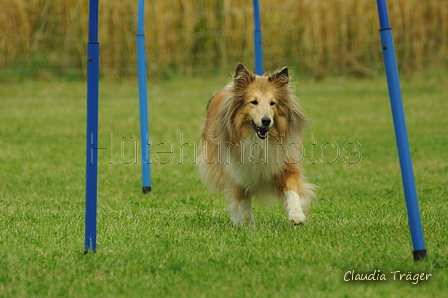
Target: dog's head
259	97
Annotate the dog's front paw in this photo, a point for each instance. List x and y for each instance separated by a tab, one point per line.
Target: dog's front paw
239	222
297	219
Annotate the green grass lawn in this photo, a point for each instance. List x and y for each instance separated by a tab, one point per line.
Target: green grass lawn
178	241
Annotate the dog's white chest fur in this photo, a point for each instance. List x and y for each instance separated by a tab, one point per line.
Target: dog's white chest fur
256	165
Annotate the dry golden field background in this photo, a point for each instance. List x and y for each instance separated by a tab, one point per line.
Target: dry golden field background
47	38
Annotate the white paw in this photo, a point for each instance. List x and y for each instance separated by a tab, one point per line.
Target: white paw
241	213
241	221
294	208
297	218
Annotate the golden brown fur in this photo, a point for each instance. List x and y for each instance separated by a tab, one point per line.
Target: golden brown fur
251	145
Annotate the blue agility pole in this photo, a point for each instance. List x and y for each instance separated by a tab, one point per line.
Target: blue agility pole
258	40
404	154
92	129
144	126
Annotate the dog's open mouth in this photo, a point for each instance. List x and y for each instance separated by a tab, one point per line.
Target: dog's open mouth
262	132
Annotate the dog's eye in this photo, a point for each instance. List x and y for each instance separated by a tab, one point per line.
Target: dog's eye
272	103
254	102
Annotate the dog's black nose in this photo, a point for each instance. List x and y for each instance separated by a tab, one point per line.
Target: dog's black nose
265	121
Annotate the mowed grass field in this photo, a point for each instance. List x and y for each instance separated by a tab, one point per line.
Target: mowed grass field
178	240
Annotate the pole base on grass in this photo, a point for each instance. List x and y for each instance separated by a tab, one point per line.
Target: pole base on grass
146	189
420	255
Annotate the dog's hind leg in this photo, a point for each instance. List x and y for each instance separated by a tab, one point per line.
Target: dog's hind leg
241	208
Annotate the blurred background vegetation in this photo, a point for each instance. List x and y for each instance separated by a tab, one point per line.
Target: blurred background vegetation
47	38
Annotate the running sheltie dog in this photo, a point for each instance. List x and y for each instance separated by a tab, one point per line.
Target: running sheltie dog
251	145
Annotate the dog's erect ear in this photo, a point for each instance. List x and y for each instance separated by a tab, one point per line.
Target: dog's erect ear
243	75
281	76
241	70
